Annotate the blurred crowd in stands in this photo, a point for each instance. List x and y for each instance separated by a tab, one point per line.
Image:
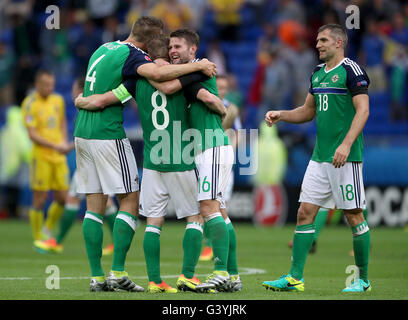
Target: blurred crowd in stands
271	41
282	33
265	47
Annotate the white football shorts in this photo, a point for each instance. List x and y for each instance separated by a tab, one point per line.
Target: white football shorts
106	166
158	188
73	187
329	187
214	168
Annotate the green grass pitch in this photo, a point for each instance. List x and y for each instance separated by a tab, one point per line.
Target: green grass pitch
263	254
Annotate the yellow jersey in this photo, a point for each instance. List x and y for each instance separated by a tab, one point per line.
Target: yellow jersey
47	116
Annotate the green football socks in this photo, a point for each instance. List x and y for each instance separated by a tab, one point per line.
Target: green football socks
93	236
151	248
192	240
123	232
110	216
232	252
320	221
361	247
67	219
218	234
302	241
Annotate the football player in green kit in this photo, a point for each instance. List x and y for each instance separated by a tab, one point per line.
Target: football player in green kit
105	160
167	173
338	98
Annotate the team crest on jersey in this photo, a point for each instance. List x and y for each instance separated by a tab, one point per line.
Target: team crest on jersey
335	78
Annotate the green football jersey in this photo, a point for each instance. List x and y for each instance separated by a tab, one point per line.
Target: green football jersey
207	122
164	121
333	91
109	65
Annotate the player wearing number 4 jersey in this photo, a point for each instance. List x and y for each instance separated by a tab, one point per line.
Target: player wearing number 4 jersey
105	160
168	169
338	98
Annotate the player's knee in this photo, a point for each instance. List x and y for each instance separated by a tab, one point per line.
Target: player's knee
129	203
304	216
195	218
39	199
61	198
354	217
208	207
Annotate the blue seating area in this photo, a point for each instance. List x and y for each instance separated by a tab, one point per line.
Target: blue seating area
241	60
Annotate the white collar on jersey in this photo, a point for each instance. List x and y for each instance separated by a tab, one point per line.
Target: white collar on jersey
327	71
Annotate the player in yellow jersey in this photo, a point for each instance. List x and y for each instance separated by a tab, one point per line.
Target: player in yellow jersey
44	116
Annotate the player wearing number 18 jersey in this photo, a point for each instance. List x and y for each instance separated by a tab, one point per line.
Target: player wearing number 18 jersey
338	98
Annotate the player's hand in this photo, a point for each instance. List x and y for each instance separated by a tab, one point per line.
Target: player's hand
272	117
63	148
79	101
224	114
341	155
208	68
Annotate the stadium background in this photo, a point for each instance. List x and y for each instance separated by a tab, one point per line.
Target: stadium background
267	48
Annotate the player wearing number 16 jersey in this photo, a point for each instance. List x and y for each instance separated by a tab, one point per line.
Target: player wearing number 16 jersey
105	160
338	98
214	158
168	166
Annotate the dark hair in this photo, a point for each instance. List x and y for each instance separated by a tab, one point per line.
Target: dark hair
191	37
337	31
41	72
158	48
146	28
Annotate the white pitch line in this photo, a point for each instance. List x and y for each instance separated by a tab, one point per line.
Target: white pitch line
244	271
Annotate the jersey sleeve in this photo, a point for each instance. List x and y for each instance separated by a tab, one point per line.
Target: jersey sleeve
191	91
190	78
122	92
357	79
317	68
135	59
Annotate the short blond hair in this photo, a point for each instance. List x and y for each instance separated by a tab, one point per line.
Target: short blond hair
146	28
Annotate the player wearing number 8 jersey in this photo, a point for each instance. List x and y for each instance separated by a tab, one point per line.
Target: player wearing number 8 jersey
168	167
105	159
338	98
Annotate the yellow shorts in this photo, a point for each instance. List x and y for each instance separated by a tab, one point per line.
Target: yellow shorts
47	175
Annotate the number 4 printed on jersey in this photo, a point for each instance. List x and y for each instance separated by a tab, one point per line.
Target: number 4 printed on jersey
92	78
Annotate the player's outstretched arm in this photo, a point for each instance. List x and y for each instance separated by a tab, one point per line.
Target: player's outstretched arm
300	114
153	72
212	102
167	87
361	104
172	86
95	101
